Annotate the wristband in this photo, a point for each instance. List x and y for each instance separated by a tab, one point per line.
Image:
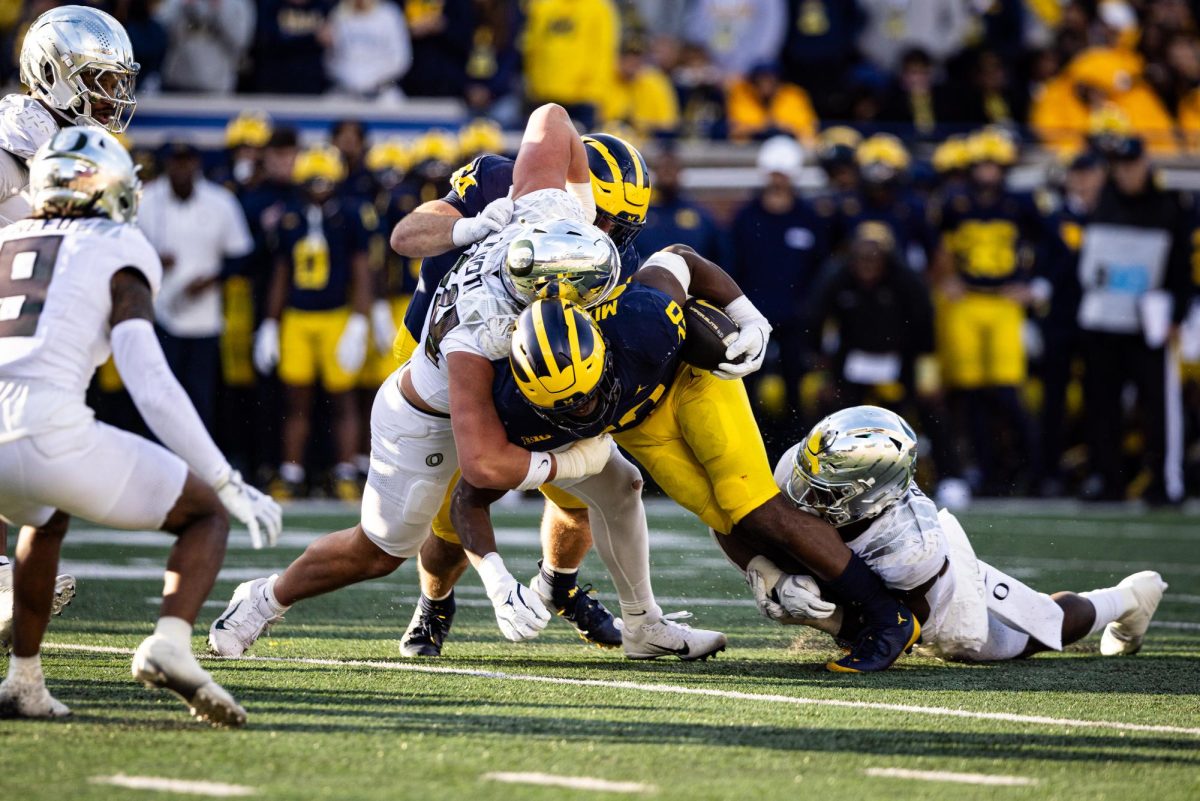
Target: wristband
673	263
458	233
539	471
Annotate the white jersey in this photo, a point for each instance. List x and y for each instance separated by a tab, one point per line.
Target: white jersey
471	311
25	125
55	305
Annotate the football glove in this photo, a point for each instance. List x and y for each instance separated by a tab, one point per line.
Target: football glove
352	344
520	614
266	346
787	599
750	346
383	327
493	218
260	513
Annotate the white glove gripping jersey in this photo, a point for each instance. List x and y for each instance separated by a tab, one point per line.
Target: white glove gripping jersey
55	305
471	311
25	125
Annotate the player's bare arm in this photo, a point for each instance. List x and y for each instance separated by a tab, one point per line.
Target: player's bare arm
426	230
470	511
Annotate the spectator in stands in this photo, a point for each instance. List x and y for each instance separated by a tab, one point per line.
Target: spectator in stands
197	227
673	217
316	326
1082	183
442	34
494	66
990	97
369	49
913	99
1135	273
149	39
1183	54
701	93
760	105
289	50
982	269
778	248
939	28
209	39
642	96
737	33
571	55
818	49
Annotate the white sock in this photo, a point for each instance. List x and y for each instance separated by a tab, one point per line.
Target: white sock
1110	604
175	630
26	669
640	614
562	571
439	597
273	602
4	561
291	473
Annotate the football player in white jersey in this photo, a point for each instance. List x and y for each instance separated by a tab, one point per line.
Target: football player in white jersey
77	282
435	414
78	66
855	470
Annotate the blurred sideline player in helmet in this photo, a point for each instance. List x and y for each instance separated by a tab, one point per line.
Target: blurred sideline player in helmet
950	161
477	205
316	317
982	271
836	148
95	276
692	430
245	136
418	445
77	64
855	470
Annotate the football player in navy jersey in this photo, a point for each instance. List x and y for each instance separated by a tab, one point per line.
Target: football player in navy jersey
439	231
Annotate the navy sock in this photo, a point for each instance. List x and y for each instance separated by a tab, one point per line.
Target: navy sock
561	584
442	608
859	587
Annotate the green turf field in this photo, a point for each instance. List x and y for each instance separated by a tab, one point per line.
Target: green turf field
762	721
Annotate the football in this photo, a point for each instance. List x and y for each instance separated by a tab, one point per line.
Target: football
709	333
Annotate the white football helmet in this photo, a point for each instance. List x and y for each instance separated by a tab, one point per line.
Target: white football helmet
79	61
84	172
580	259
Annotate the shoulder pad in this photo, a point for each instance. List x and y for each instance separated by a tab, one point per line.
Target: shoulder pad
25	125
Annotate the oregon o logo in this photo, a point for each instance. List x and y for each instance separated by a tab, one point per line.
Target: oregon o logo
1000	591
434	459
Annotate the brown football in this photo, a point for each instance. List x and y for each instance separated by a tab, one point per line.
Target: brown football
709	332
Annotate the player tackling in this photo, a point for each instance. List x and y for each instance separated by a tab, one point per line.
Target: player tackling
77	282
855	470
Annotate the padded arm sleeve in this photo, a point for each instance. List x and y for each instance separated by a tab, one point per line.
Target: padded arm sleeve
161	400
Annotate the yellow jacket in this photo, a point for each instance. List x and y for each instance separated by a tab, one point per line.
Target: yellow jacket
789	110
647	103
1189	120
570	50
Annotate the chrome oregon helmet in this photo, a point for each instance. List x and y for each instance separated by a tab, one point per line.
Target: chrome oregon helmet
577	258
79	61
853	464
620	185
562	364
84	172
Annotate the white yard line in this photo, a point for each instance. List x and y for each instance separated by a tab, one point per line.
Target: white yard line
571	782
944	776
213	789
674	689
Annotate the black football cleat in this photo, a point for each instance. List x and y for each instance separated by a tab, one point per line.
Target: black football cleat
579	607
429	627
879	646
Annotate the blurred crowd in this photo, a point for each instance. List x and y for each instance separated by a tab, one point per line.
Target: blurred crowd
742	69
1034	339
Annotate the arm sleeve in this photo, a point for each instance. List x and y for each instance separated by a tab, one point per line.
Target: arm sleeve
161	400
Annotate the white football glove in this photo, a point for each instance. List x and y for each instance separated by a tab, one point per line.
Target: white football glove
584	458
494	217
260	513
266	346
352	344
787	599
520	614
753	335
383	327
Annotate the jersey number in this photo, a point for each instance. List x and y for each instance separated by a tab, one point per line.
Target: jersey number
311	259
463	275
26	266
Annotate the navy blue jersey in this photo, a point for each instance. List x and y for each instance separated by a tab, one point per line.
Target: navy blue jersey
400	272
472	187
990	239
904	215
319	246
644	331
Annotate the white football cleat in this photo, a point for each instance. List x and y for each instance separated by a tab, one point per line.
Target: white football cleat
160	663
665	637
29	699
64	592
245	619
1123	637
